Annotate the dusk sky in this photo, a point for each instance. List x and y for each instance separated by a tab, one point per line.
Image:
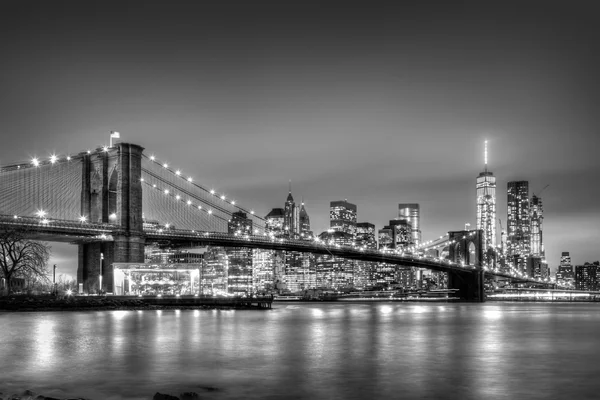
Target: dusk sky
376	104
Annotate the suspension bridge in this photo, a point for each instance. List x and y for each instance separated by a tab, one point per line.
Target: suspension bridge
113	201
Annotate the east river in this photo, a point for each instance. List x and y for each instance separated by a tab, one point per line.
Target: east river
309	351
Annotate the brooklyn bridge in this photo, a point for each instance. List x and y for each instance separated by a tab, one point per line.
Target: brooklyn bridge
101	199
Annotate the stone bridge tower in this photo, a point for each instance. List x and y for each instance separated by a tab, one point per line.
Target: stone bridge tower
111	193
466	247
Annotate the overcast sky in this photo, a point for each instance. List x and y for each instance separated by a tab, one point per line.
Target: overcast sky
377	104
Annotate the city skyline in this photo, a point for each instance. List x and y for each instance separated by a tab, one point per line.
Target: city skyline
380	105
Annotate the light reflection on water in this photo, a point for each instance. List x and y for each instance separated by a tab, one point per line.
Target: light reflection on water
297	351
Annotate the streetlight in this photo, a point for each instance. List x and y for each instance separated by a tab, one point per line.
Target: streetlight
100	275
54	279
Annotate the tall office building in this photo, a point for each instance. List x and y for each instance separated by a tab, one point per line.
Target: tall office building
565	274
587	276
275	221
291	216
239	224
342	217
239	276
364	271
365	235
410	213
304	222
519	218
214	275
486	204
385	238
537	226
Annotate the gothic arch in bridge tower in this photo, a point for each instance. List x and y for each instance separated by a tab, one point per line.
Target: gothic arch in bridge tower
95	206
113	180
458	253
466	246
472	254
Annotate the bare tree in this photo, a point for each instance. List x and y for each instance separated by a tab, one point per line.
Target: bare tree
21	257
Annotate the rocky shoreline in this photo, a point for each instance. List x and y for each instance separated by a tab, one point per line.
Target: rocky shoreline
93	303
30	395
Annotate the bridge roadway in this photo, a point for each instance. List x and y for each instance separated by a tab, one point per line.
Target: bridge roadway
80	232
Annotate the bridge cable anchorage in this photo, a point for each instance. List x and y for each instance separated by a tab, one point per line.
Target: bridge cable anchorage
190	180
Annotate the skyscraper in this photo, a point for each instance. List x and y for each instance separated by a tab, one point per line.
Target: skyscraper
239	276
291	216
364	271
410	213
587	276
342	217
304	222
275	221
565	274
365	235
486	204
537	226
402	233
519	218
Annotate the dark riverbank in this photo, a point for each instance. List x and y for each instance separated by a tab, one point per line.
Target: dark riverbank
96	303
31	395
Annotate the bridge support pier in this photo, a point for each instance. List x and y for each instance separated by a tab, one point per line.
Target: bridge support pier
469	284
111	194
97	259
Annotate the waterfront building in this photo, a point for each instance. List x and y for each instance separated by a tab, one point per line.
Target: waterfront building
486	204
364	271
537	226
342	217
410	213
240	274
587	276
214	274
335	272
565	274
518	218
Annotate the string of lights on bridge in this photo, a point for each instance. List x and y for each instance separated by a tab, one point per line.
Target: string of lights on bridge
178	173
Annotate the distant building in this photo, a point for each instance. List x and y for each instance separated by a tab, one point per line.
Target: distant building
385	238
537	268
275	221
587	276
565	274
410	213
342	217
402	234
304	220
240	258
486	205
364	271
519	218
537	226
291	216
365	235
239	224
214	276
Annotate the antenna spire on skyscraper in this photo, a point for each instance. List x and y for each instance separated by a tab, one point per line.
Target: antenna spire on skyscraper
485	155
290	186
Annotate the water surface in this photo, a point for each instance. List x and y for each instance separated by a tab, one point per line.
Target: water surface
310	351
